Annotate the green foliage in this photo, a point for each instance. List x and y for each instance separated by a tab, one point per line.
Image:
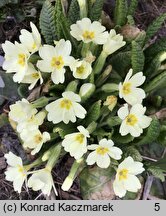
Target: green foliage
156	83
117	138
58	18
120	16
113	121
93	113
96	10
155	48
132	7
152	133
125	62
134	153
153	66
155	26
157	173
160	164
9	91
5	2
74	11
47	22
137	57
93	180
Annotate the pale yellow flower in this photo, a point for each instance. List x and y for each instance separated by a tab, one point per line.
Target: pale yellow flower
76	143
65	109
129	91
102	153
133	120
31	40
55	59
87	31
15	171
16	60
126	179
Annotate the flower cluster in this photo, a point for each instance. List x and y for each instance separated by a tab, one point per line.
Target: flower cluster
70	109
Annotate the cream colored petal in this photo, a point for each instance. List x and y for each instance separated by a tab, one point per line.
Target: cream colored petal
137	79
83	131
138	110
44	66
123	129
106	143
46	52
79	111
91	159
135	168
13	160
93	146
128	76
135	130
144	121
103	161
115	153
123	112
58	76
132	183
71	96
119	189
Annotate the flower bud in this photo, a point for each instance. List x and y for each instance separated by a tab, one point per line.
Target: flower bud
67	183
111	102
86	91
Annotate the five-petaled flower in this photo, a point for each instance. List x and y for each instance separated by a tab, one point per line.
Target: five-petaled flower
15	171
66	109
129	91
134	120
126	179
87	31
76	143
102	153
54	60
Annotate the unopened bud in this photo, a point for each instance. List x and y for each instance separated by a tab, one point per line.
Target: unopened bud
111	102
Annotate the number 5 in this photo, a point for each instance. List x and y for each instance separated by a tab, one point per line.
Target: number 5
157	207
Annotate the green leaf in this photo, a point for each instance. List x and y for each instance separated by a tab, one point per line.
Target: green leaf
9	91
125	62
117	138
156	83
153	66
74	11
155	48
134	153
96	10
93	113
152	133
120	16
137	57
132	8
155	26
47	22
58	15
113	121
160	164
96	183
157	173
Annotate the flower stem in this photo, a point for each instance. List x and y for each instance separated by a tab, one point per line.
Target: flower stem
100	63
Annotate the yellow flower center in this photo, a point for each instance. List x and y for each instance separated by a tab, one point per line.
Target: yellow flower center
35	75
80	70
66	104
88	35
126	88
131	120
21	59
38	139
57	62
80	138
102	150
21	170
123	174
